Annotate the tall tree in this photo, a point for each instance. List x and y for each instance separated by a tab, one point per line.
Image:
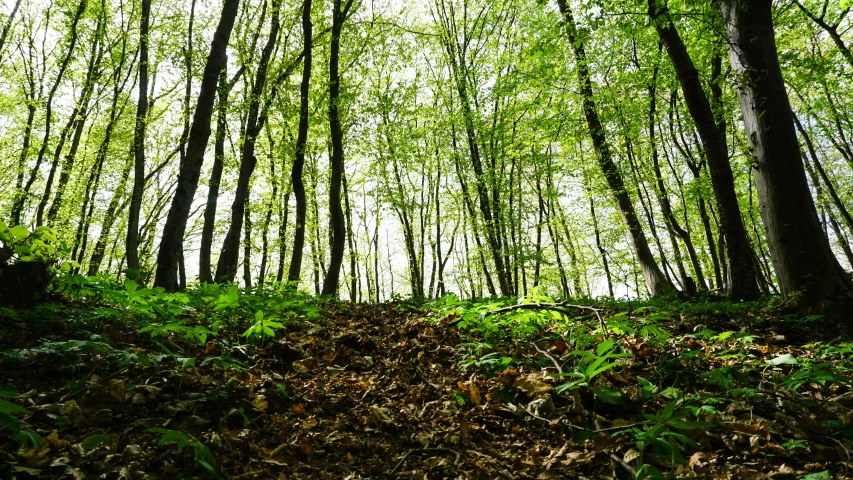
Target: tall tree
132	241
176	221
226	268
742	275
295	270
656	282
806	267
338	221
74	35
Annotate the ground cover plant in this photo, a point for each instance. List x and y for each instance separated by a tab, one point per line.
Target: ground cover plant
111	379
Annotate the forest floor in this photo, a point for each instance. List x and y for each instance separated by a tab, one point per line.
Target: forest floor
415	390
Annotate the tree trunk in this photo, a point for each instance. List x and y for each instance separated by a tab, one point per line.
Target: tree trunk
176	221
132	242
656	282
7	27
337	221
204	272
295	270
742	279
226	267
21	199
806	268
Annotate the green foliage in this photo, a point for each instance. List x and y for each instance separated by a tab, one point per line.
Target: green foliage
590	365
40	245
201	454
262	328
24	436
662	432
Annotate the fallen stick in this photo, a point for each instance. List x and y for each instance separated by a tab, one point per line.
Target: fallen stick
425	450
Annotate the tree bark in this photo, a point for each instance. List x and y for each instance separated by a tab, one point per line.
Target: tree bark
176	221
806	268
742	279
337	220
295	270
226	267
132	241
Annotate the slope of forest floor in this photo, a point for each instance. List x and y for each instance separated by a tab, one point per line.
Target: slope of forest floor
110	380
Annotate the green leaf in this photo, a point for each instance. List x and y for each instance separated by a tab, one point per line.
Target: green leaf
94	441
824	475
19	232
9	407
170	436
786	359
603	347
609	395
209	469
8	391
26	436
9	422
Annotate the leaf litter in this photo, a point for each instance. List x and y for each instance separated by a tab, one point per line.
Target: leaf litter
404	390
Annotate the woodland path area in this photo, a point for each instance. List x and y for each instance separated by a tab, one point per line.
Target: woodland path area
383	391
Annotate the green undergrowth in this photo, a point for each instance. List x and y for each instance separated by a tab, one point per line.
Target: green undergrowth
672	379
671	376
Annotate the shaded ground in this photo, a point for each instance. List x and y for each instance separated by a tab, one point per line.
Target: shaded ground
351	393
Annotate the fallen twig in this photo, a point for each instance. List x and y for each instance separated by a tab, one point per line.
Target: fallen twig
425	450
548	355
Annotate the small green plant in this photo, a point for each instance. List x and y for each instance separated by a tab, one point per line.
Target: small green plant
591	364
263	328
202	455
40	245
662	434
796	443
23	436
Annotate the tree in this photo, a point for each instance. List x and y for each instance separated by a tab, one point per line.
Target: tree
295	270
176	221
338	221
132	242
226	268
655	279
742	276
806	268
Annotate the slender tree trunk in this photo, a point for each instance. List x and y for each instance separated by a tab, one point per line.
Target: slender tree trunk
132	242
226	267
350	240
337	221
656	282
663	194
284	209
601	250
76	124
831	29
295	269
742	279
247	247
833	194
804	262
176	221
204	272
8	26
